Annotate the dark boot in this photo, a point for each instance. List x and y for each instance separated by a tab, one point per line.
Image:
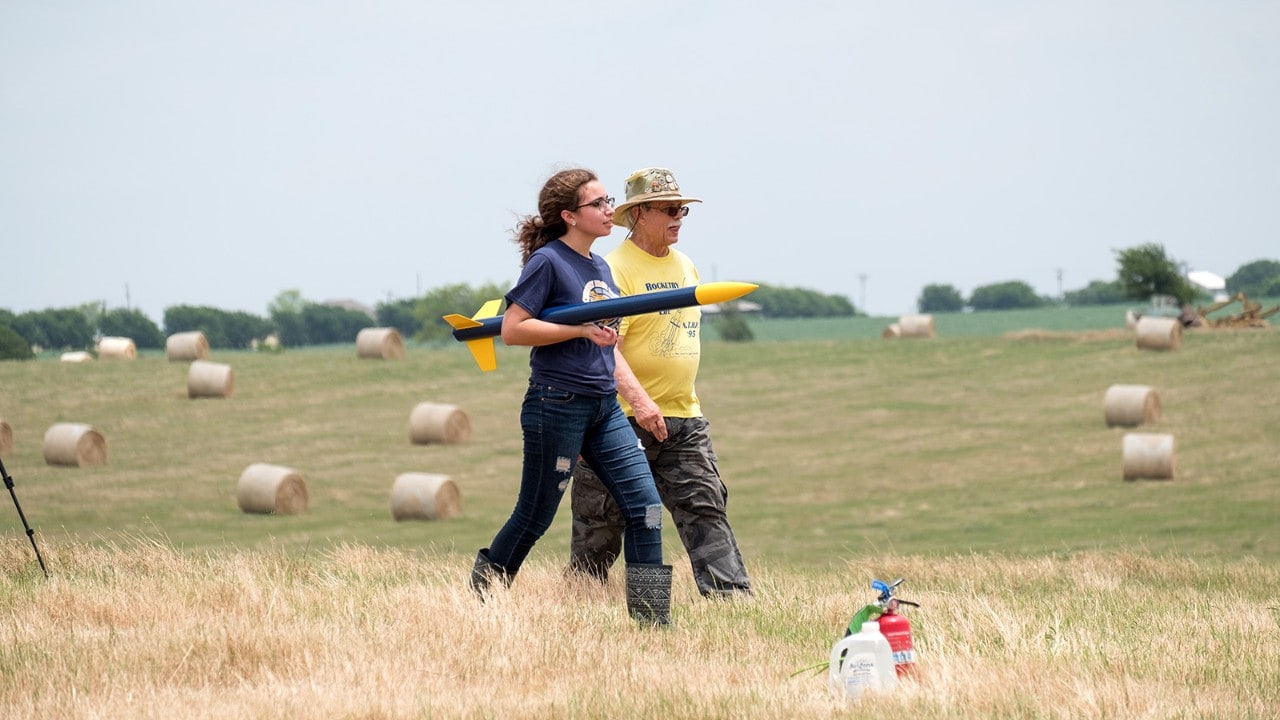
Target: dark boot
484	572
649	594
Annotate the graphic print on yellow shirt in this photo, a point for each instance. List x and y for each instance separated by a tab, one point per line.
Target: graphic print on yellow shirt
662	348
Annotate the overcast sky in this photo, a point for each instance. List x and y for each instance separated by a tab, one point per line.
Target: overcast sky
216	153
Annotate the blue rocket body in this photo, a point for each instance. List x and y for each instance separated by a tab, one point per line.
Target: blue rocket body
487	323
593	311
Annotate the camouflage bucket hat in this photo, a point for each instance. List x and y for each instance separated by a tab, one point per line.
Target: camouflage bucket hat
649	185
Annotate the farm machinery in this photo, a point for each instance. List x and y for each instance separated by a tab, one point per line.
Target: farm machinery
1251	315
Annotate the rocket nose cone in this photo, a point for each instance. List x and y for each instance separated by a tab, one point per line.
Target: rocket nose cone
718	292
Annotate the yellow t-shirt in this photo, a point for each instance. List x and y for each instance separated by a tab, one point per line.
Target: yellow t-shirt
662	348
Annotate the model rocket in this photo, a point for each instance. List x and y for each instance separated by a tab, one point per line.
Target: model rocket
479	330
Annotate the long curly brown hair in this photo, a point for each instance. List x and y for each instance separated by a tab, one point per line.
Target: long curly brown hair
559	193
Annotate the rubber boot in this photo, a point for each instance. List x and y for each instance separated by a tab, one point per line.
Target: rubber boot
484	572
649	594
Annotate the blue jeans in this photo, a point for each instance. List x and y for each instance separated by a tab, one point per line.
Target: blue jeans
559	426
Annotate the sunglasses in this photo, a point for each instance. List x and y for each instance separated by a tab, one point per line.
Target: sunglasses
674	212
598	203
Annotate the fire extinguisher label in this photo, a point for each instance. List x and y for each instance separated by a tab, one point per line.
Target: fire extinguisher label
904	657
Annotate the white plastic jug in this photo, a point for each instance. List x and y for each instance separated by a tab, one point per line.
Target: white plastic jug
867	663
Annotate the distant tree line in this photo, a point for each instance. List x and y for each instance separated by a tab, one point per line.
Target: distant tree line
1142	271
221	328
999	296
293	320
1097	292
791	302
1260	278
73	329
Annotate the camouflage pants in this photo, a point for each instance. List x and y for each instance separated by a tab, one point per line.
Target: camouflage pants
684	469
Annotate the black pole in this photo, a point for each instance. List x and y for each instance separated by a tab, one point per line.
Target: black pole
31	534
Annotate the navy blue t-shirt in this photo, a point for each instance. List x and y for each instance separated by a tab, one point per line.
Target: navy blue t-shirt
556	275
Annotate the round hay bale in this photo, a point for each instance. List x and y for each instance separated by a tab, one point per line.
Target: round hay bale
186	346
1131	405
74	444
423	496
1149	456
210	380
1159	333
265	488
77	356
917	326
438	423
6	436
891	331
117	348
380	344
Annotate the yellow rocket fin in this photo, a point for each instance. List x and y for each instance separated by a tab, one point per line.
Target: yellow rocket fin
460	322
481	348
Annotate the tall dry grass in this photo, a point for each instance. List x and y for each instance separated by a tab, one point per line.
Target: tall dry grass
141	630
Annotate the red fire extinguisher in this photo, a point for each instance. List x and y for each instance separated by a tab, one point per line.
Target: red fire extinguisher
896	628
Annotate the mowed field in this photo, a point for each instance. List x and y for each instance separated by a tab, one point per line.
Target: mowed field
831	449
977	466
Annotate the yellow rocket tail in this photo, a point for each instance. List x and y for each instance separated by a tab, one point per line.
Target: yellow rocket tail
482	349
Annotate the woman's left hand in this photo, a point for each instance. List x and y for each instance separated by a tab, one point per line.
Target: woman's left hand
602	336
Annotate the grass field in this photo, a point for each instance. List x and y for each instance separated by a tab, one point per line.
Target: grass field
830	448
137	630
979	466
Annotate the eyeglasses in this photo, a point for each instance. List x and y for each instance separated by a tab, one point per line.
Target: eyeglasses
598	203
675	212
